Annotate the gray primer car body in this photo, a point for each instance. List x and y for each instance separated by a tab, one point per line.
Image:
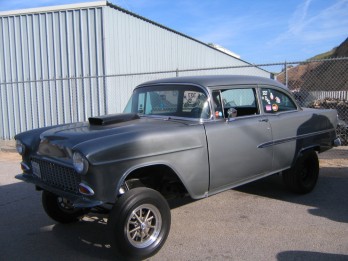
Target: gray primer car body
178	136
208	155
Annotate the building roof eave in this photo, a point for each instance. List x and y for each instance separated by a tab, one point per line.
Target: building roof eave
53	8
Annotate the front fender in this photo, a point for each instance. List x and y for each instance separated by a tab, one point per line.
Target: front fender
182	149
195	189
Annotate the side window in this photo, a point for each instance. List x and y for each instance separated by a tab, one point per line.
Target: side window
195	105
193	99
243	100
274	101
141	103
217	104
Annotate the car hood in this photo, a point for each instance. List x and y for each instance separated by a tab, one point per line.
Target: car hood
71	135
121	137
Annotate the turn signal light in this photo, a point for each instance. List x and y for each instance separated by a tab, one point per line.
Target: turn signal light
24	167
85	190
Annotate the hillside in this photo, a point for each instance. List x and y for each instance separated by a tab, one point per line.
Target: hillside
342	50
326	55
323	76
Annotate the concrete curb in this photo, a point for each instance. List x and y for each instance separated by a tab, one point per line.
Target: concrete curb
8	146
8	150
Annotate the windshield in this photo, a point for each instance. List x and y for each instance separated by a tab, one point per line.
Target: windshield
170	100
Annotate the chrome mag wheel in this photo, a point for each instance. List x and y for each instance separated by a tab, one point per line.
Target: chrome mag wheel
144	225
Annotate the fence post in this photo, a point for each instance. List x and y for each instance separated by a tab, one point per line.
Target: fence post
177	72
286	73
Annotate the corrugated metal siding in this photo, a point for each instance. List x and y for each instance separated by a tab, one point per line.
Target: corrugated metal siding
37	51
135	45
62	66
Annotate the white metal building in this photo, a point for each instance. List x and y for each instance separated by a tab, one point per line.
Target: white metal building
63	64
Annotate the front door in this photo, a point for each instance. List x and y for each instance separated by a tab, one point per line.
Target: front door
234	154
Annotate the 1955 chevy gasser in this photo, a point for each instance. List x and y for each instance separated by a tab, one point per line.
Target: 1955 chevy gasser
189	135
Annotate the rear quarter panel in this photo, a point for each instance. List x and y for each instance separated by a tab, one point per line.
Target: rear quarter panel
298	130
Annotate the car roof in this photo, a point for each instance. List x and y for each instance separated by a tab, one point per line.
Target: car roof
211	81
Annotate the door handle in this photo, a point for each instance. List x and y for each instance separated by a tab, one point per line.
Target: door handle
263	120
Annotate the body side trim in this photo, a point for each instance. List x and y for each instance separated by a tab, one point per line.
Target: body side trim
303	136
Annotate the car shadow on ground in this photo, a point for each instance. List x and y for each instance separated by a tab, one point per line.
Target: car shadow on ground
29	230
328	199
179	202
98	244
308	255
90	236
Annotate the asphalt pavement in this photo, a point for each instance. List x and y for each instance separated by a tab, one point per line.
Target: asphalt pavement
258	221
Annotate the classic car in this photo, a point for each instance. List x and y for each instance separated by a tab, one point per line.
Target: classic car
184	136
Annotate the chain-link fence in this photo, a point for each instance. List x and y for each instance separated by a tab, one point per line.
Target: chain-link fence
321	84
38	103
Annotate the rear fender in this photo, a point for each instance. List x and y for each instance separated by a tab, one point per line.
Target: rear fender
304	151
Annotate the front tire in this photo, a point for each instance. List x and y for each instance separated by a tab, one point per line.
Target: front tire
303	176
60	209
140	223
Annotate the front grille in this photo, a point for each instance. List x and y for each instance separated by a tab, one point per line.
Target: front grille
58	176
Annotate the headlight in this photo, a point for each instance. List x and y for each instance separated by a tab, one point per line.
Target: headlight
80	163
20	147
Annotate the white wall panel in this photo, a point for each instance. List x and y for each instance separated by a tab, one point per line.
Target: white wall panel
38	51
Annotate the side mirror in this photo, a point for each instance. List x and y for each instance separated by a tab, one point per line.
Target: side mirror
231	113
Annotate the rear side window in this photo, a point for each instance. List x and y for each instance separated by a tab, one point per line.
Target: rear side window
274	101
242	100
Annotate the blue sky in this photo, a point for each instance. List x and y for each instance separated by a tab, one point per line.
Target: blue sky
260	31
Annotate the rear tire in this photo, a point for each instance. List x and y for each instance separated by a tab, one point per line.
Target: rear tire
303	176
60	209
140	223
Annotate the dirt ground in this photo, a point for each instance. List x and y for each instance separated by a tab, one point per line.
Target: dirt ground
337	157
9	156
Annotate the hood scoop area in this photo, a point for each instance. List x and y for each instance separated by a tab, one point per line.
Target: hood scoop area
112	119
